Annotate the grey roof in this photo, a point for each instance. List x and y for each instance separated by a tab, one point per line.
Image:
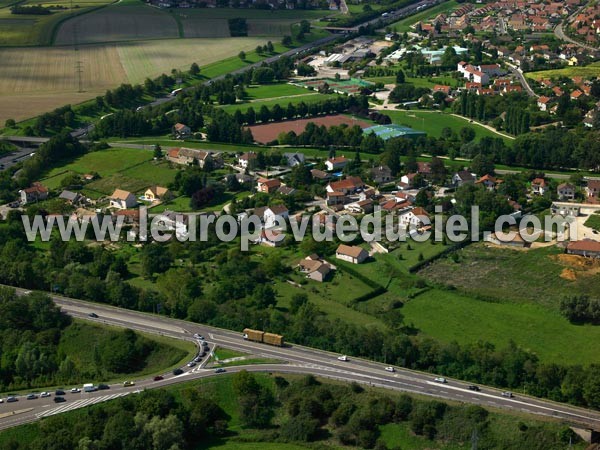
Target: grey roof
69	195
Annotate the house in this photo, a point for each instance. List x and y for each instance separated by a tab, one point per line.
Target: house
424	168
34	193
270	215
539	186
181	131
286	190
463	177
247	160
381	174
157	193
593	188
489	182
409	179
122	199
414	218
360	207
491	70
268	186
351	253
294	159
130	216
336	163
272	238
320	175
576	94
315	268
171	222
565	191
543	103
240	177
586	247
336	198
72	198
190	156
347	186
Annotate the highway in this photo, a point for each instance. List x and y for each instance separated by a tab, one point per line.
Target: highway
294	359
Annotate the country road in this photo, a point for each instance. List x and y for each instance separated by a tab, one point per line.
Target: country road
294	359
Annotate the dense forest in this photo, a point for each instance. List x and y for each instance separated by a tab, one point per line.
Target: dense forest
247	408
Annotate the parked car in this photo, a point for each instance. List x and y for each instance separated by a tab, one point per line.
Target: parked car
177	372
128	383
507	394
390	369
103	387
59	392
440	380
220	370
59	399
45	394
158	378
472	387
342	358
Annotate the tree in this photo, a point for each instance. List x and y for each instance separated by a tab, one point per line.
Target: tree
157	152
400	77
195	69
305	26
270	47
482	165
242	55
10	123
287	41
154	259
297	301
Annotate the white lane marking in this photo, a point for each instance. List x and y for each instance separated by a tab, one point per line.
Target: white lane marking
79	404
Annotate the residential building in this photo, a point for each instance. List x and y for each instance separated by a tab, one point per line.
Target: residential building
586	247
294	159
489	182
270	238
72	198
347	186
463	177
270	215
351	253
315	268
319	175
565	191
336	163
157	193
593	188
35	193
268	186
181	131
121	199
381	174
247	160
539	186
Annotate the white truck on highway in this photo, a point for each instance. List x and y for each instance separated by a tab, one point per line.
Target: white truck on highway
89	387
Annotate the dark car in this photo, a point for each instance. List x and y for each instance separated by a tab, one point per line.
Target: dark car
11	399
158	378
59	400
177	372
93	315
59	392
103	387
474	388
31	396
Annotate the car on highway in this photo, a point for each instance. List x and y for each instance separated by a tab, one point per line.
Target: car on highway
45	394
1	400
93	315
199	336
220	370
158	378
191	364
59	399
440	380
342	358
75	390
12	399
390	369
103	387
204	344
507	394
31	396
472	387
128	383
59	392
197	359
177	372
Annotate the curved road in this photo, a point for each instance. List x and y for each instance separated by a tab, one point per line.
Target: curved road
294	359
559	32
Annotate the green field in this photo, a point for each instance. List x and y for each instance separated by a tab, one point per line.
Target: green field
405	24
593	222
433	122
592	70
423	82
283	102
257	92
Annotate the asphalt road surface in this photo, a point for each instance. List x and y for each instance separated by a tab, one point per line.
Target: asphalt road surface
294	359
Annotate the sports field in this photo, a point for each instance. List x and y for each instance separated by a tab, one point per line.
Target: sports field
46	77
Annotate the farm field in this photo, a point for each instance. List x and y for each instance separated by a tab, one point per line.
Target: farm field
405	24
269	132
434	122
52	82
592	70
28	30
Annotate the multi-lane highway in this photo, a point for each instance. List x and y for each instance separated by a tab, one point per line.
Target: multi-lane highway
294	359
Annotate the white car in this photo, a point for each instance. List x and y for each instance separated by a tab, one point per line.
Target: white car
440	380
45	394
75	390
390	369
343	358
1	400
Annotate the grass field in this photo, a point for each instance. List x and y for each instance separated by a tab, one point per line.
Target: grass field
273	90
434	122
405	24
593	222
307	98
591	70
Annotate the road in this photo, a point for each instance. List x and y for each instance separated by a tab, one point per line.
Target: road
519	74
559	32
294	359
